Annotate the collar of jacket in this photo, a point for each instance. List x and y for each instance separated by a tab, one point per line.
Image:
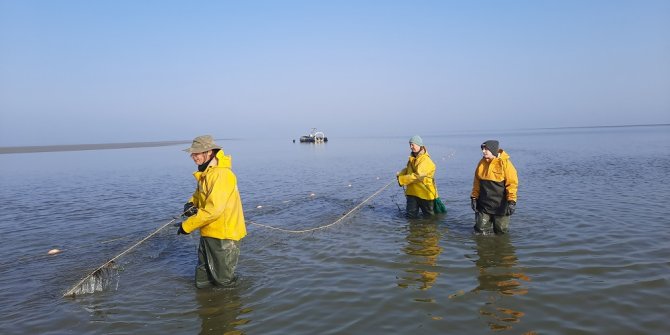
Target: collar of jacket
202	167
223	161
502	156
412	162
421	152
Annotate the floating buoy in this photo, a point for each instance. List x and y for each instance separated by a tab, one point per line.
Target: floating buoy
259	206
312	194
53	251
349	185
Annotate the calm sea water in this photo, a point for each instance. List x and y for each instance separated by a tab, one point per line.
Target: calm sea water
588	251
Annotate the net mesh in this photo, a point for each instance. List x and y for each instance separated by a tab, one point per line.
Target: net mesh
105	278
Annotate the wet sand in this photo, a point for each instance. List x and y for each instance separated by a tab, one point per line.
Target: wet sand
80	147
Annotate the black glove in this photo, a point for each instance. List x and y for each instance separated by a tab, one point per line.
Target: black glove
189	209
511	207
181	231
473	204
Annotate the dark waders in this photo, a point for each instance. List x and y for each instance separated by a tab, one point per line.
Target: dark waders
485	223
217	260
416	203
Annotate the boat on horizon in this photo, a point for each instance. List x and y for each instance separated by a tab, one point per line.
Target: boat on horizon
314	137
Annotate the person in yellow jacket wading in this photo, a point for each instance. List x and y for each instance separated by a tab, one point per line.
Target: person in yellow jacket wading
494	189
216	209
418	176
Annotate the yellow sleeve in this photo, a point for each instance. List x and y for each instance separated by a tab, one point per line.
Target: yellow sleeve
407	179
511	181
404	178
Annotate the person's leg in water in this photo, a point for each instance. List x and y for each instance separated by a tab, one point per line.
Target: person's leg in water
201	271
427	207
501	224
217	260
412	207
223	266
483	223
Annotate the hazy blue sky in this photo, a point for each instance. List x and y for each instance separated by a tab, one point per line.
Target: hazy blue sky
120	71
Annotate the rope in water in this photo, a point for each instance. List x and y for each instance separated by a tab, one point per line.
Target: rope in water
328	225
74	288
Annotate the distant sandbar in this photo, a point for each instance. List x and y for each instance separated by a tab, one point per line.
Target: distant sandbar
80	147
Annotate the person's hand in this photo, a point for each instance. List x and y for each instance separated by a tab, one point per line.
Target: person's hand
473	204
189	209
181	230
511	207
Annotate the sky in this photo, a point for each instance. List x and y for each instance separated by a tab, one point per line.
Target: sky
127	71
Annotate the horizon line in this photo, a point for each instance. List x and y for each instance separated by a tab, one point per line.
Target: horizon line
146	144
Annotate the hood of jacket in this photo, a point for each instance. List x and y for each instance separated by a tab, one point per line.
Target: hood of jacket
223	161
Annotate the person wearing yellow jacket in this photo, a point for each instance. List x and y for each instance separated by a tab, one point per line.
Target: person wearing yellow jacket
494	190
418	177
216	209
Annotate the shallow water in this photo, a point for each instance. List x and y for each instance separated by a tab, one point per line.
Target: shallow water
588	250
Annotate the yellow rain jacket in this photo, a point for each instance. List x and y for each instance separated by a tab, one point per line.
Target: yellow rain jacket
495	184
218	201
418	177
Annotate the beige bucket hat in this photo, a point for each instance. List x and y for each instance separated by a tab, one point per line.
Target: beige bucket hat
201	144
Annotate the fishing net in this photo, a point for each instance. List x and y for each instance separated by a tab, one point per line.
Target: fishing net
106	275
104	278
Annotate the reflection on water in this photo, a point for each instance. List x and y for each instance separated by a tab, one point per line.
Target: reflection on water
423	246
220	311
498	272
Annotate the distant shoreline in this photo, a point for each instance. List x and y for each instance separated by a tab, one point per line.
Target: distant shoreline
81	147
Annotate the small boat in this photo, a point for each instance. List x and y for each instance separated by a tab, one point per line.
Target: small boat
314	137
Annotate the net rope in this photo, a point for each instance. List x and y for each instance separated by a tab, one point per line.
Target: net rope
328	225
